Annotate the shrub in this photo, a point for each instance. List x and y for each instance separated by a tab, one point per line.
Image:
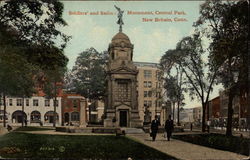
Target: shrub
218	141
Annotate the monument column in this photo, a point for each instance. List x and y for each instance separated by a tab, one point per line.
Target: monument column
122	109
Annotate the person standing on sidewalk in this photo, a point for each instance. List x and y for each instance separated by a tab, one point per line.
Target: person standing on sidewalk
154	127
169	127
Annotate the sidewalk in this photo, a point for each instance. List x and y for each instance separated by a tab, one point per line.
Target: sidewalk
185	151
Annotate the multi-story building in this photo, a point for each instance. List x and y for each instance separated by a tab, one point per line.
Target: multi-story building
149	90
37	110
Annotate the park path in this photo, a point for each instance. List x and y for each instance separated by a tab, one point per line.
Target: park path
185	151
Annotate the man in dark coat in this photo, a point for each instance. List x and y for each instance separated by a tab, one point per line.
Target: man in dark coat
169	127
154	127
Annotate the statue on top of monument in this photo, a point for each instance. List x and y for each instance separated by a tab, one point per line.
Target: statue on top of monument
120	21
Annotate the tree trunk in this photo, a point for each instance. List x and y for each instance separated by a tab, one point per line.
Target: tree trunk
230	113
4	110
173	111
22	111
54	119
178	113
203	125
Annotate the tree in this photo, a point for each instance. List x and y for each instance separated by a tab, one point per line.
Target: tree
88	74
28	31
174	88
52	86
13	71
189	56
226	24
34	22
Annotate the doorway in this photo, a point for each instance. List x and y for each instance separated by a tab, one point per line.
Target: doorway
66	118
123	118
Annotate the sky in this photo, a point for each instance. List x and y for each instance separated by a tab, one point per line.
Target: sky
151	39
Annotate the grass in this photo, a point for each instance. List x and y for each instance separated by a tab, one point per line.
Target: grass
25	145
34	128
218	141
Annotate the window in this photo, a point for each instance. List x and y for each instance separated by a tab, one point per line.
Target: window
149	84
158	95
159	104
75	103
149	93
147	74
35	102
56	103
47	104
19	102
158	75
27	102
1	102
10	102
75	116
145	93
149	103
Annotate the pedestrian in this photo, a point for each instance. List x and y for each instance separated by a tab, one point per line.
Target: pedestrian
169	127
9	128
25	122
154	127
191	126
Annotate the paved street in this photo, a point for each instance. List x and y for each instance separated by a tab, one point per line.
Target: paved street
184	150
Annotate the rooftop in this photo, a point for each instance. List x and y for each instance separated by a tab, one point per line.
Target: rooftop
147	64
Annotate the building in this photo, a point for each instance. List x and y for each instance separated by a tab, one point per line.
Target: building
96	113
213	110
240	108
74	110
36	110
197	114
121	107
187	115
149	88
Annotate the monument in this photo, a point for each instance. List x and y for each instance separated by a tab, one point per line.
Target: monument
121	107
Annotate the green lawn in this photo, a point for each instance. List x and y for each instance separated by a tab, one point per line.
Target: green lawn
25	145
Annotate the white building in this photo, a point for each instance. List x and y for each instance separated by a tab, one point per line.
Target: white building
187	115
37	109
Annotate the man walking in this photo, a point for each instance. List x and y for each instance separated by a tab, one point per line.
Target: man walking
154	127
169	127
